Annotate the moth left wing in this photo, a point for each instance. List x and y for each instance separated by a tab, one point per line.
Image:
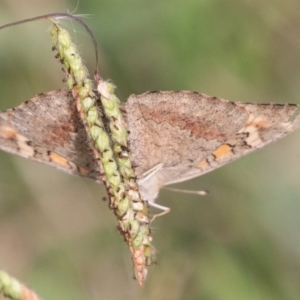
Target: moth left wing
47	129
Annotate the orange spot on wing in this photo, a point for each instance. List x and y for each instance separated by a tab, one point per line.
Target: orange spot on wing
7	133
58	159
222	151
202	164
83	171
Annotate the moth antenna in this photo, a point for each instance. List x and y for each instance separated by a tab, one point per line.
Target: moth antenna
200	193
58	16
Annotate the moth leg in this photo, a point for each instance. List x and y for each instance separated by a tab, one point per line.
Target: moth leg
151	172
165	210
149	183
145	185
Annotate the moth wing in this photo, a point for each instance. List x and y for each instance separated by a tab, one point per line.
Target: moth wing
47	129
190	134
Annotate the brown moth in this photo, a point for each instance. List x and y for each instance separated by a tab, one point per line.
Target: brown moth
174	136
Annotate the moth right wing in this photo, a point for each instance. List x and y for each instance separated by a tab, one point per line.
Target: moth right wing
179	135
47	129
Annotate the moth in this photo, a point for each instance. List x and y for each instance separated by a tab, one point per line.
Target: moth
173	136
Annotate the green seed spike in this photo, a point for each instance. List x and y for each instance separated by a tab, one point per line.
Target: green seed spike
111	106
119	134
111	150
10	288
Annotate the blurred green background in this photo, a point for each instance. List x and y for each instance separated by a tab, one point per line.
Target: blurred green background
242	241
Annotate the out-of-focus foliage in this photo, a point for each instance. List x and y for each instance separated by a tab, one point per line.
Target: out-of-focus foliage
239	242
